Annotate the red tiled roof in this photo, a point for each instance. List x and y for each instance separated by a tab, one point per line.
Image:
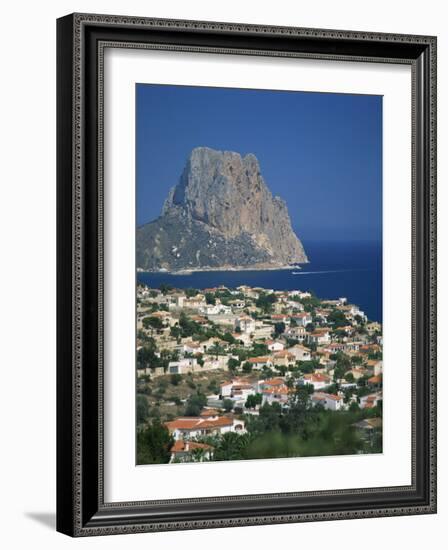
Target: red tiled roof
335	397
283	353
258	359
274	382
209	412
198	423
180	446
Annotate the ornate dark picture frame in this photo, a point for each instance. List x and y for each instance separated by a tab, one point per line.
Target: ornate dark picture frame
81	509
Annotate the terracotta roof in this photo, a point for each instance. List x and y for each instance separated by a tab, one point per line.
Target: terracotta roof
209	412
318	397
198	423
277	391
334	397
274	382
242	387
320	332
258	359
283	353
181	446
235	382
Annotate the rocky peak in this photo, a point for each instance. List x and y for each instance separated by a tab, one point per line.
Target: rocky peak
227	194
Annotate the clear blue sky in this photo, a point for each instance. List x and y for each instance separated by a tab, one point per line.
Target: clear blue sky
322	153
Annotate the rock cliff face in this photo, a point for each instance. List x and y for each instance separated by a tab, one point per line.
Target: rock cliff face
221	215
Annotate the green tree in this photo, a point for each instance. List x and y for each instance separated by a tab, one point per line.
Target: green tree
176	332
279	328
153	444
165	288
227	404
266	301
349	377
152	322
258	349
213	387
233	364
210	298
337	318
227	337
142	409
175	379
195	404
247	367
188	326
191	292
230	447
253	400
343	364
310	303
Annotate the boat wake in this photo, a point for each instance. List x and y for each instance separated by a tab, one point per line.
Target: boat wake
327	271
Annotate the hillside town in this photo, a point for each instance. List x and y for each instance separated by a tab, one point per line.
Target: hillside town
225	374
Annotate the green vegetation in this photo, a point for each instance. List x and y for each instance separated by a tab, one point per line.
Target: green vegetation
266	301
195	404
153	444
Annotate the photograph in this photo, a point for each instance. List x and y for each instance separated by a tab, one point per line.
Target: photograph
259	291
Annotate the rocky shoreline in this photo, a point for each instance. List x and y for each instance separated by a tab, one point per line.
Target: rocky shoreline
257	267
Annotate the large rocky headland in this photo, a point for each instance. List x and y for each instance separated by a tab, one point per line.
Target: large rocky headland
220	216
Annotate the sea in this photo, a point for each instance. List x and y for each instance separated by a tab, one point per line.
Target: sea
336	269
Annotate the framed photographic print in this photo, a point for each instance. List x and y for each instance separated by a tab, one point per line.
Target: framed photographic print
246	274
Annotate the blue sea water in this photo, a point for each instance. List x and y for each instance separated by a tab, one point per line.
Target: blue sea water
335	269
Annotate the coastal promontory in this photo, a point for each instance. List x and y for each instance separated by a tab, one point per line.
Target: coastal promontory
220	215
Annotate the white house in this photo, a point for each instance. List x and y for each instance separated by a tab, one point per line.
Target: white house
185	451
242	337
296	333
355	311
215	309
302	319
188	428
237	304
191	347
262	330
369	401
319	337
281	318
329	401
275	345
318	380
378	368
238	387
273	390
293	305
260	362
283	358
182	366
301	353
246	324
212	362
276	394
